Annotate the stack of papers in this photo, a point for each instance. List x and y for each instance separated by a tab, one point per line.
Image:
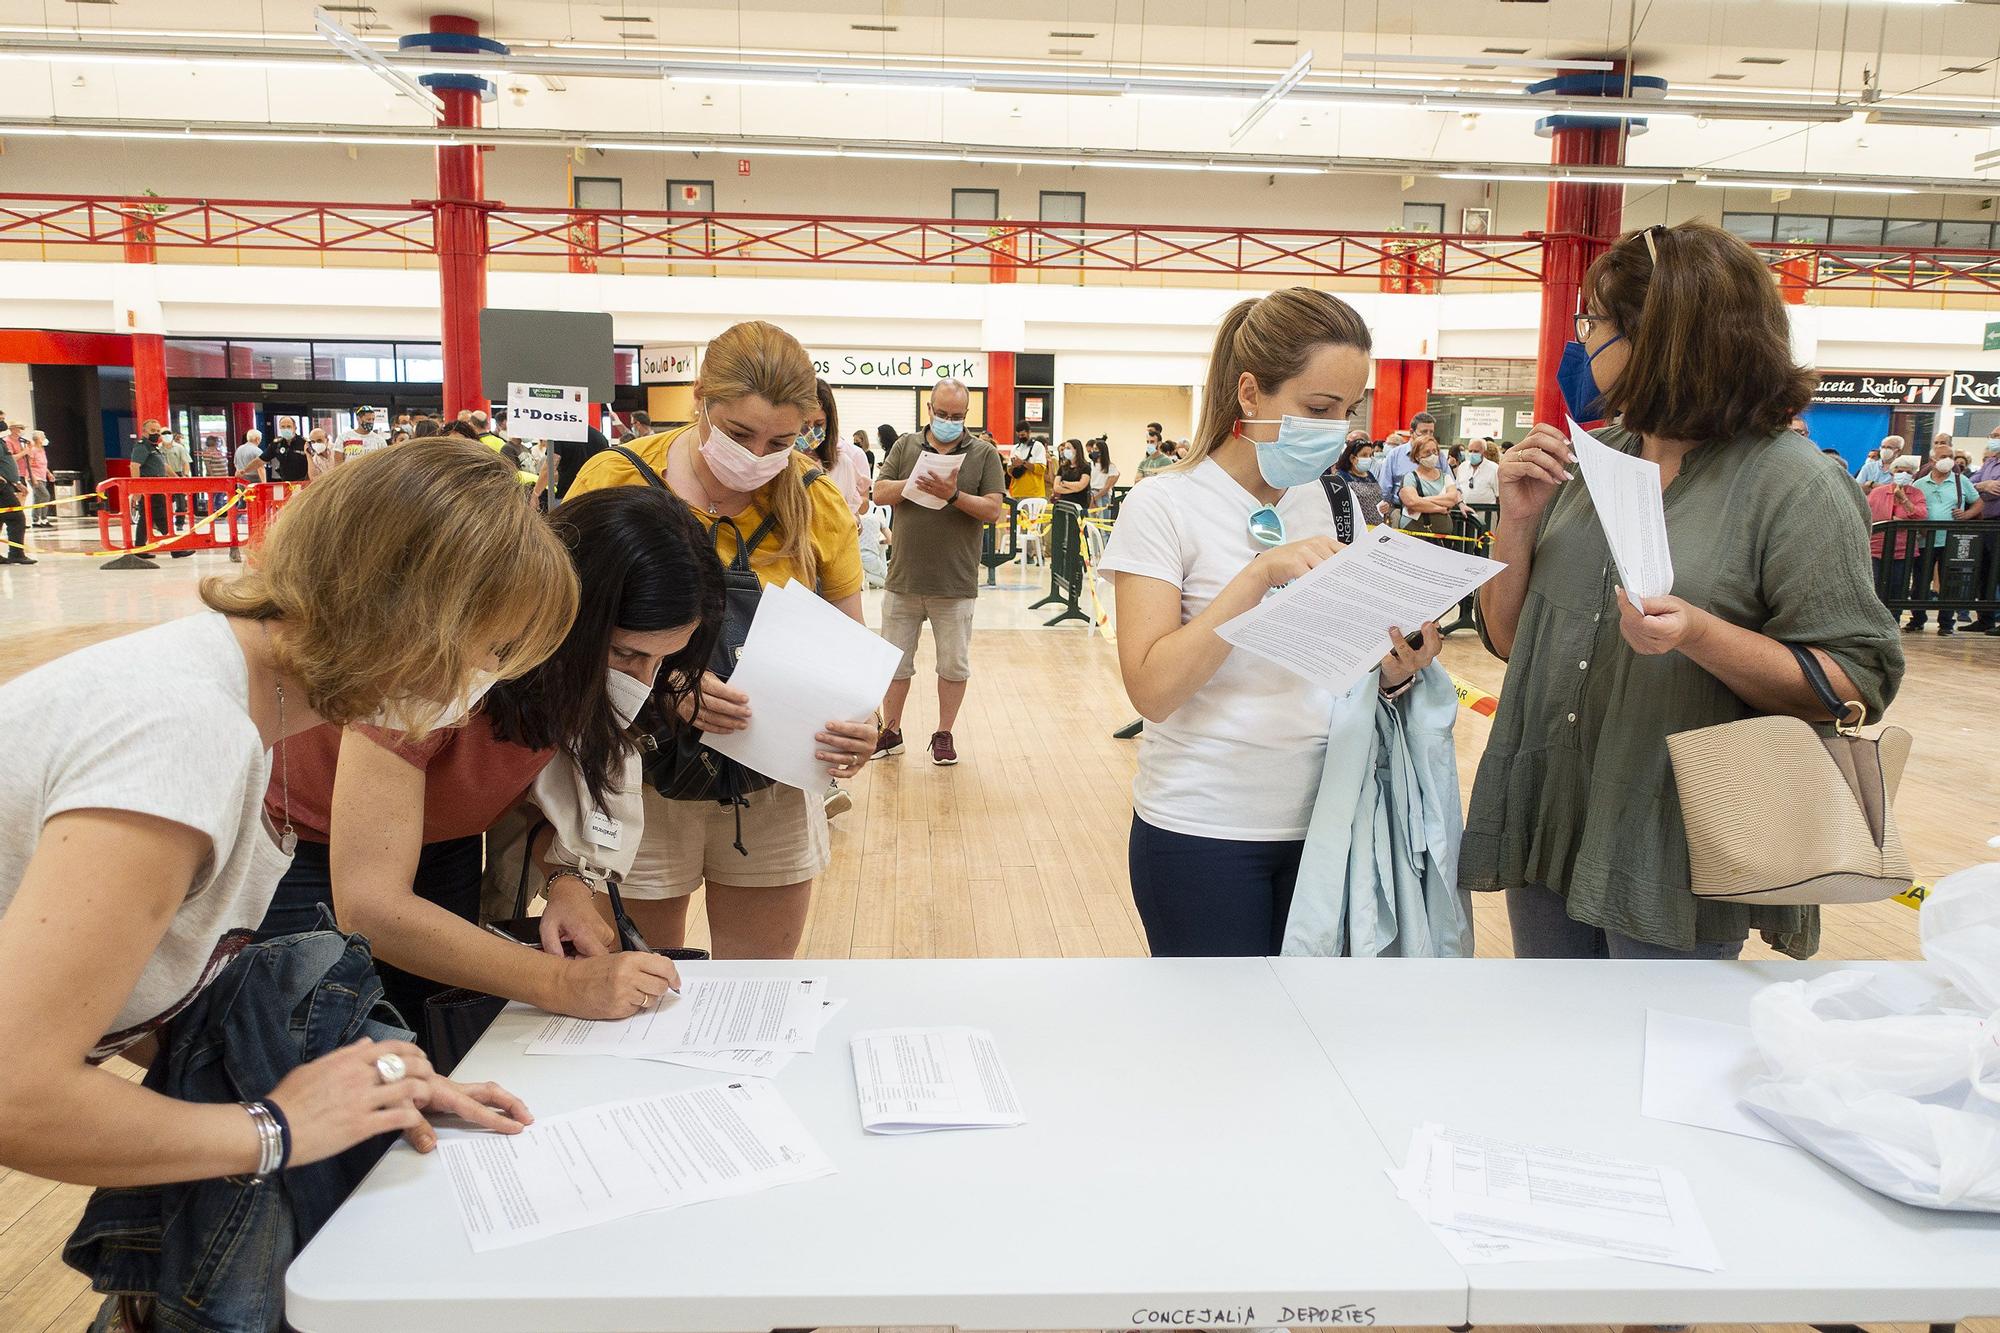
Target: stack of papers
932	465
913	1080
1625	492
1497	1202
737	1014
572	1171
761	1064
803	664
1332	625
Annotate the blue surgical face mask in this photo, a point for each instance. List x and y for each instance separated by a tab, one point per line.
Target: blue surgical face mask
1304	450
946	431
1578	381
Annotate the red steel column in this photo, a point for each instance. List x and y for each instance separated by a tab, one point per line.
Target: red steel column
1000	396
149	378
461	238
1583	219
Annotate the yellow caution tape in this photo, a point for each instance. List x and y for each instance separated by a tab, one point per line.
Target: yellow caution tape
199	525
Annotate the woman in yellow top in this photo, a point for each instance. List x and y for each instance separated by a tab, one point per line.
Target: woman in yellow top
737	461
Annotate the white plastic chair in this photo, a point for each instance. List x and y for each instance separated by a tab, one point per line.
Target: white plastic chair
1032	511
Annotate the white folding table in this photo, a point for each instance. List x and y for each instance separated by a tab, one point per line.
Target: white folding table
1191	1159
1552	1053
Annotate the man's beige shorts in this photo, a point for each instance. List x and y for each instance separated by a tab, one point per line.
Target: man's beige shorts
903	617
686	843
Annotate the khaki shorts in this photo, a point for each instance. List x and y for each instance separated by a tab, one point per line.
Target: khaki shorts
685	843
903	617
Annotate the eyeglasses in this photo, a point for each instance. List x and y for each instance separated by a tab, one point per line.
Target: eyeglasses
1267	526
1585	323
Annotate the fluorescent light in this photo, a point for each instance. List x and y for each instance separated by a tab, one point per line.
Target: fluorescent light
1833	185
1287	81
1664	179
351	46
1512	62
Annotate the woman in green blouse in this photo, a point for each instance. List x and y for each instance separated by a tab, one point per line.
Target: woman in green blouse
1574	812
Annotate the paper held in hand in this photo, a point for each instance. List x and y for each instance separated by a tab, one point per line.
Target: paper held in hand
1625	492
945	466
912	1080
804	664
1332	625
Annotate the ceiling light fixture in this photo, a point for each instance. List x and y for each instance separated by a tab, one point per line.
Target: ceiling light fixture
366	56
1381	58
1287	81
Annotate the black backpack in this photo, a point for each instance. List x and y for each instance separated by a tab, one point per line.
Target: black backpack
677	765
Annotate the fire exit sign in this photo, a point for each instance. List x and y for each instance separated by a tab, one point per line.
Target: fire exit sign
1992	343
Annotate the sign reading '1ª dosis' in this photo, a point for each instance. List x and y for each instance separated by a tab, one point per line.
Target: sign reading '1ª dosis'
548	412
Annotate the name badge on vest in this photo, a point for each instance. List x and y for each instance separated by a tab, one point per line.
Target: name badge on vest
605	831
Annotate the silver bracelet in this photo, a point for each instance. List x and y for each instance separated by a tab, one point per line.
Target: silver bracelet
1390	696
270	1139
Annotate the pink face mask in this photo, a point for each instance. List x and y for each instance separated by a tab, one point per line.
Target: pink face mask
738	468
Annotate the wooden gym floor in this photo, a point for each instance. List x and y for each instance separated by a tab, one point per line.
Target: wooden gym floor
1019	850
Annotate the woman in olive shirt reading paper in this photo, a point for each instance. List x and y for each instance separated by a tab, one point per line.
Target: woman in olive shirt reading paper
1574	812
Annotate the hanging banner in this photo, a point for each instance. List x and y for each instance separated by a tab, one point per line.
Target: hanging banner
1890	388
1975	388
899	369
665	364
548	412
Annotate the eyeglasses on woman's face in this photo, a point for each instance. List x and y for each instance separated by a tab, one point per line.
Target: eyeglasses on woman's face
1585	323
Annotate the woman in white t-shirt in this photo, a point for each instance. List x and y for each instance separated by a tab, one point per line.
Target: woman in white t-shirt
1234	745
135	858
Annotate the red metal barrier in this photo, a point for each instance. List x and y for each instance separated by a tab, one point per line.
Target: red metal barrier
266	499
134	510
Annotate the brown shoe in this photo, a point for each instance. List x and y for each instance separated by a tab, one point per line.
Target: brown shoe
942	751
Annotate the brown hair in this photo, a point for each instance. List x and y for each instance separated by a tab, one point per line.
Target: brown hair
395	574
760	359
1272	337
1711	351
829	445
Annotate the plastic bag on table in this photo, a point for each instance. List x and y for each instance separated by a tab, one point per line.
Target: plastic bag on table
1895	1078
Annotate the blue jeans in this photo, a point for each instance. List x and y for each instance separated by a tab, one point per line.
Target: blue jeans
212	1253
1543	928
1211	897
447	874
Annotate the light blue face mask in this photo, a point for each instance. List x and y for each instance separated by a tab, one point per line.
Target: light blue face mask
1305	448
946	431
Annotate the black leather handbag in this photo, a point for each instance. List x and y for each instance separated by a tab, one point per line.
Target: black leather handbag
676	764
454	1020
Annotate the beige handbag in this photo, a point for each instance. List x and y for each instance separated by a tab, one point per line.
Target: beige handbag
1778	813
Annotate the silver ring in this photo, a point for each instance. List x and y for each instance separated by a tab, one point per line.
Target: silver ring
389	1068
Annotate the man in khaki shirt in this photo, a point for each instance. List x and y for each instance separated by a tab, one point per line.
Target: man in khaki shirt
934	563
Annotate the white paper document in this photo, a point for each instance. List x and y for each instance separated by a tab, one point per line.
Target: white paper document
760	1064
1555	1196
916	1079
714	1014
804	664
1625	492
1467	1247
625	1158
1696	1071
1332	625
928	464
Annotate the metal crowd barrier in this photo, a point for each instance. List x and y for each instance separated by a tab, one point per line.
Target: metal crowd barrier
1066	563
1939	566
